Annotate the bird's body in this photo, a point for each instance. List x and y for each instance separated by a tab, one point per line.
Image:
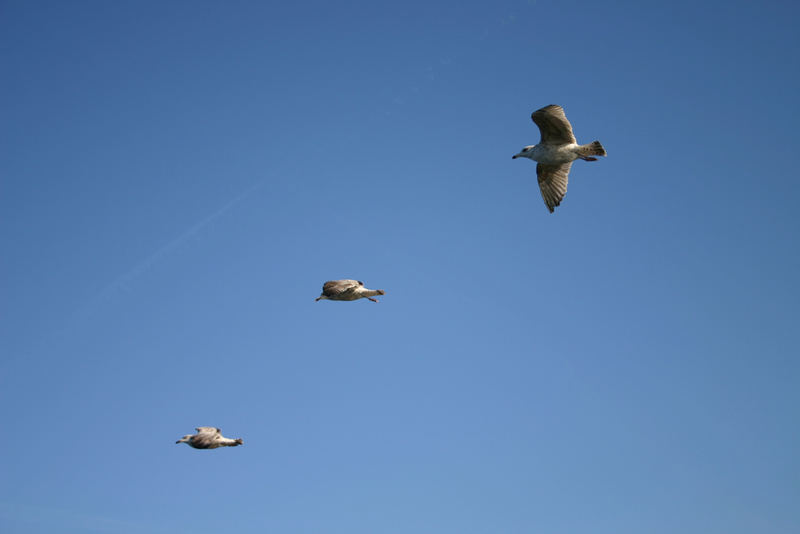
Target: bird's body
348	290
555	153
208	437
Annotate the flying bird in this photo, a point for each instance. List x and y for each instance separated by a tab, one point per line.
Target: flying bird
555	153
348	290
208	437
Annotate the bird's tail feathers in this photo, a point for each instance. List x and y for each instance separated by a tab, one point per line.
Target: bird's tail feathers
592	149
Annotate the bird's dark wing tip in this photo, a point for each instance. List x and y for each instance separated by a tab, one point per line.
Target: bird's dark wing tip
545	109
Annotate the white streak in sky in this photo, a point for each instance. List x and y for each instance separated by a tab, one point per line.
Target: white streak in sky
122	281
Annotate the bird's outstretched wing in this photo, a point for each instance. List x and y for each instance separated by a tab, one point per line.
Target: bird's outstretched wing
207	437
337	287
553	183
554	126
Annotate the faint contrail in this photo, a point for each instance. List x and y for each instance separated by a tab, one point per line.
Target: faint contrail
143	266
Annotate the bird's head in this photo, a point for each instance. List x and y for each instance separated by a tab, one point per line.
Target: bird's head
184	439
524	153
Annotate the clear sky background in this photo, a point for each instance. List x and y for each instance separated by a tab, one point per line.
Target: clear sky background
178	179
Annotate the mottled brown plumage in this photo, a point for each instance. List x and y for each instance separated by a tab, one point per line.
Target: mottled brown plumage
553	125
208	437
555	153
348	290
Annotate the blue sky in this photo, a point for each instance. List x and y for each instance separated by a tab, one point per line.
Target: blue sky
178	179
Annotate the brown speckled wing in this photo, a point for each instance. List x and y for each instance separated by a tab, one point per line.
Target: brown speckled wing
553	183
336	288
554	126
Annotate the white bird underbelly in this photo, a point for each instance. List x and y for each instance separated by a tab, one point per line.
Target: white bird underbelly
554	154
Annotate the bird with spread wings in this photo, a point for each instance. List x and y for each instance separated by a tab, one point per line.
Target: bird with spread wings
555	153
348	290
208	437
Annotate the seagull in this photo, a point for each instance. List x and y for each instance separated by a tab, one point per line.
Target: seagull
348	290
556	152
208	437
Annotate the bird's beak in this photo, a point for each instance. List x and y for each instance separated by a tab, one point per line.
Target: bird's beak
514	156
177	442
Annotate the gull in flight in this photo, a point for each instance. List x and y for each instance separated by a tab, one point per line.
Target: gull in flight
555	153
208	437
348	290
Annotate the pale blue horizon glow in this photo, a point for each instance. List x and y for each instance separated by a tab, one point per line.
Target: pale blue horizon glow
178	179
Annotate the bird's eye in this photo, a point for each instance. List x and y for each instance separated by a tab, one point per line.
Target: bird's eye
525	149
